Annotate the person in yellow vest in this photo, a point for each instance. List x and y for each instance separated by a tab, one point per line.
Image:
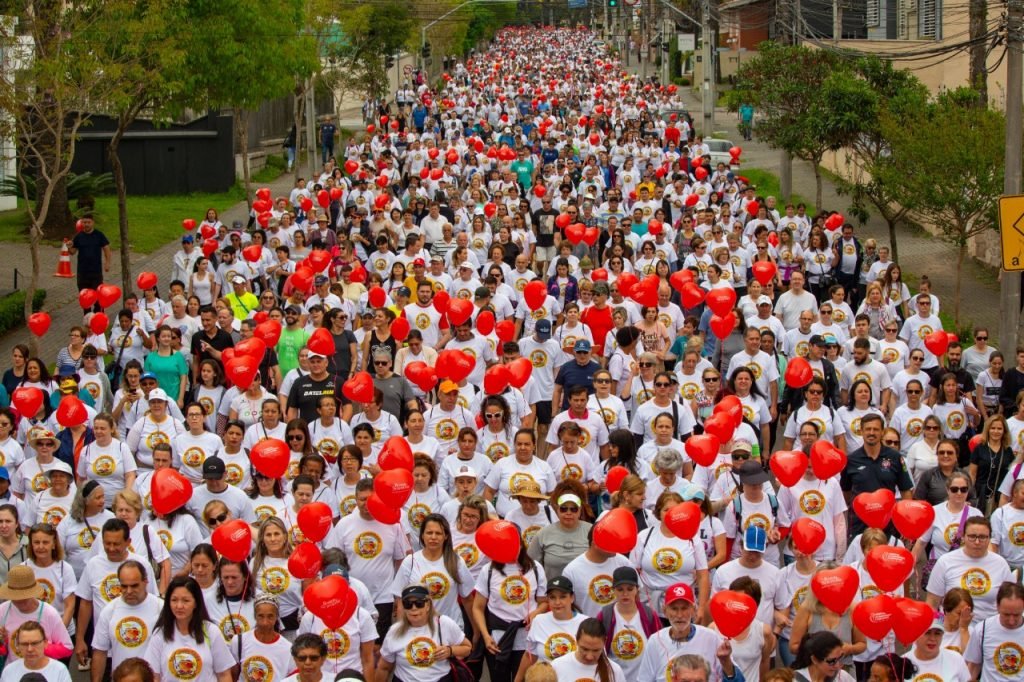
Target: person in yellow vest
242	301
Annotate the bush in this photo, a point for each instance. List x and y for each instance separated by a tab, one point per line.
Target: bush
12	309
80	185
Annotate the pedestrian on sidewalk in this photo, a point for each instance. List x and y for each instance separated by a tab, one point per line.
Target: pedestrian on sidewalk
93	250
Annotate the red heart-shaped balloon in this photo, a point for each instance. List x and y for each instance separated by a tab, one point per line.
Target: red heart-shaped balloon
683	520
613	479
335	193
519	372
270	457
305	561
875	508
484	322
535	293
703	448
27	400
233	540
807	534
692	295
574	233
721	300
505	330
393	486
875	617
377	297
253	253
329	599
889	566
721	426
454	365
721	327
315	521
913	518
732	612
269	331
99	322
679	279
254	347
645	292
496	380
146	280
732	406
210	245
359	389
499	541
321	341
351	166
241	370
798	372
788	466
836	587
459	311
188	224
382	511
87	298
764	271
71	411
913	619
396	454
827	460
591	235
937	342
39	323
169	491
615	532
400	329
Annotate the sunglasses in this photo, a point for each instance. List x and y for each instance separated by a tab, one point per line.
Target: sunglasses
380	363
296	436
602	381
646	364
493	415
891	443
568	508
739	457
833	661
662	384
214	520
959	489
710	379
308	658
931	428
981	338
414	603
818	392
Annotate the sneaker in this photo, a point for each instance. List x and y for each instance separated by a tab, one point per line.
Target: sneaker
85	667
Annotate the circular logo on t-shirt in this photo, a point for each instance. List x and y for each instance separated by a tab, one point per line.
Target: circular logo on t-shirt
539	358
759	520
264	512
416	514
1008	658
131	632
110	587
347	504
601	590
667	560
257	668
337	643
207	404
275	580
156	438
514	590
955	420
420	652
1016	534
559	644
103	465
802	348
48	591
446	429
368	545
193	457
914	427
496	450
54	515
469	553
233	624
437	584
976	581
234	474
812	502
890	355
571	470
186	664
39	483
328	449
627	645
85	538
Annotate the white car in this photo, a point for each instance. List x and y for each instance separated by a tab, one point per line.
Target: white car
720	152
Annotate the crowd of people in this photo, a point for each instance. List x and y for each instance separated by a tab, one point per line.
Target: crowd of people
534	276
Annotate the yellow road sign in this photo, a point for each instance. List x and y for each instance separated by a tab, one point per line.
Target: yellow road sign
1011	231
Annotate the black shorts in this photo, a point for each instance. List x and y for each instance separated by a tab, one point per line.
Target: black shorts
544	412
385	612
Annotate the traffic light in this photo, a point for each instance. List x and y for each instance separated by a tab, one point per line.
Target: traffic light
664	46
613	3
426	51
389	62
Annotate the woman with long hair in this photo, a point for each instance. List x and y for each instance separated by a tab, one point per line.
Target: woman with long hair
107	460
378	338
814	619
858	405
83	525
990	460
589	661
951	513
183	644
895	291
420	645
202	565
497	435
209	393
427	497
232	609
268	496
128	507
15	374
46	559
551	633
269	566
921	456
819	658
438	568
957	414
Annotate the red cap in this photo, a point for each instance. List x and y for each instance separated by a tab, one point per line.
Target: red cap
419	261
679	591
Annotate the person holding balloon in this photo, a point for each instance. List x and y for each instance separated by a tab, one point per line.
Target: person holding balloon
270	570
423	643
815	617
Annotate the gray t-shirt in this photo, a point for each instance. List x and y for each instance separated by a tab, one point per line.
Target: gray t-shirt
554	547
976	361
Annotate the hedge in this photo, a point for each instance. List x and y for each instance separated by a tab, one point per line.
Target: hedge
12	309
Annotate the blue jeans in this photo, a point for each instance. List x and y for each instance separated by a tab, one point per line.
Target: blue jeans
786	657
326	151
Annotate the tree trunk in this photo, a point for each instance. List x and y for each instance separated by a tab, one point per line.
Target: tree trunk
817	184
34	237
242	126
894	250
978	73
785	176
961	254
299	110
59	221
117	169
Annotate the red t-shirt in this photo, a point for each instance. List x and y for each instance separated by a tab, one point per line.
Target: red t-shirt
600	323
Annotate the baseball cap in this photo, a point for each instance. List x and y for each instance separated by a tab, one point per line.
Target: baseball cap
544	328
60	467
437	258
419	262
569	498
752	473
238	279
416	591
465	265
742	445
236	224
293	309
817	340
582	346
448	386
482	292
764	300
831	340
334	569
404	291
693	492
625	575
158	394
349	675
314	354
147	376
560	583
321	279
755	539
187	239
938	623
679	591
213	468
466	472
5	475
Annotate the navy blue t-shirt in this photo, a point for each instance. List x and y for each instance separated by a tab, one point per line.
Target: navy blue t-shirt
573	374
90	251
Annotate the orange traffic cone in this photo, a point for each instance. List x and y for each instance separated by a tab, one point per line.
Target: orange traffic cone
64	262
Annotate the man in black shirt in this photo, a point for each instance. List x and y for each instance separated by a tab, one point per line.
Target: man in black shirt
208	342
964	380
93	249
872	467
304	398
544	224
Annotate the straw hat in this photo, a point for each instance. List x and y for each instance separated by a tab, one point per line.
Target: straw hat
21	584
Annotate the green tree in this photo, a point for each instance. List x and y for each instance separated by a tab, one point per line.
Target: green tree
367	33
956	190
808	101
894	93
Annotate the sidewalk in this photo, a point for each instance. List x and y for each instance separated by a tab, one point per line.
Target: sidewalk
920	253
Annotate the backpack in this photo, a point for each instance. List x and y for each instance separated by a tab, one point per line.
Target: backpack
649	622
737	507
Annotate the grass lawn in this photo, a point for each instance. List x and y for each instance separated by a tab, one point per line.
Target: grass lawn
152	220
768	185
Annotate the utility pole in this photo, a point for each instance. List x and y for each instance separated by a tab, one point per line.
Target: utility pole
786	160
1009	289
645	39
707	70
311	145
837	21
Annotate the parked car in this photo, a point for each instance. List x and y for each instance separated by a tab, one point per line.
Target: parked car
720	152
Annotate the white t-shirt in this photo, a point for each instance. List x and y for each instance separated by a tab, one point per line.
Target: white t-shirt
661	649
412	652
183	658
344	643
981	577
107	465
99	582
592	582
53	671
372	548
124	631
569	668
509	476
997	650
442	587
948	666
664	560
767	576
191	451
819	500
550	638
511	595
263	661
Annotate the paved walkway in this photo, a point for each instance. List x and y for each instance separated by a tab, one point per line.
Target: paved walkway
920	253
62	294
